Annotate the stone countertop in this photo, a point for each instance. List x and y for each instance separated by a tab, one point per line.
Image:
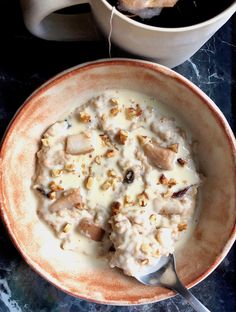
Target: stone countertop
25	63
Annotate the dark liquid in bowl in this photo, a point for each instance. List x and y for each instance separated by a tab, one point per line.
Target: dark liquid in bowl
184	13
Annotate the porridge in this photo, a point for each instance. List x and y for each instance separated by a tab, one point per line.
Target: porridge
116	178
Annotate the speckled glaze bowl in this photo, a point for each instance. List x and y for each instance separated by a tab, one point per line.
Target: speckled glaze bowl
215	231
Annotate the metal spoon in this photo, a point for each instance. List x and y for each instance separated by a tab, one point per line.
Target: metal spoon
165	275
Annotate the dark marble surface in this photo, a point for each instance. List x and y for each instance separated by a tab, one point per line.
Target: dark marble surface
25	63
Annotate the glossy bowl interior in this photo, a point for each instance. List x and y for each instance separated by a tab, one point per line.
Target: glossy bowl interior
212	237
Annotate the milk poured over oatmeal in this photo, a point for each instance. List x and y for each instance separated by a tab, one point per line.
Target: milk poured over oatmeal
117	178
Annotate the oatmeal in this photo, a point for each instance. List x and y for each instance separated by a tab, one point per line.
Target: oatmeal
116	178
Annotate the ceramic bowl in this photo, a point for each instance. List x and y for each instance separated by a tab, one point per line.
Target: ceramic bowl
215	231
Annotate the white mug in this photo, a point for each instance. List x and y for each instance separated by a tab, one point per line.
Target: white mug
167	46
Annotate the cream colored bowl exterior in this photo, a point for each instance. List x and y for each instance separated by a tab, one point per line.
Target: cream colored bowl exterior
167	46
215	231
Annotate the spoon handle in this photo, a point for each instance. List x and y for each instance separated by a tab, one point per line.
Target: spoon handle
192	300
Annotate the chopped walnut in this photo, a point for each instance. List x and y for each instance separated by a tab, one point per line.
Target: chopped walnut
114	111
122	136
110	153
114	102
182	227
115	208
69	167
156	253
171	182
107	184
97	160
128	202
111	173
84	117
56	173
132	112
153	218
46	142
174	147
55	187
144	261
89	183
84	170
117	225
145	248
67	228
181	162
142	199
105	139
104	117
163	180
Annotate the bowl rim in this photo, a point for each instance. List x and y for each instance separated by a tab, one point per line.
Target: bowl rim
73	71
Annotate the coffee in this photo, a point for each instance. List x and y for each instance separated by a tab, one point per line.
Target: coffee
184	13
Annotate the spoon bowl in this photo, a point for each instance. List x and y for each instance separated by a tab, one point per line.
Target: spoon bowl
164	274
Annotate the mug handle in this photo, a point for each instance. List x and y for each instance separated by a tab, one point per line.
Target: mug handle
42	21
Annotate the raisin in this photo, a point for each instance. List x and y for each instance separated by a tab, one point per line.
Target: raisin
129	176
112	248
182	162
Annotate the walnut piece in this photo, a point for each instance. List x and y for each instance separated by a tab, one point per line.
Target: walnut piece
182	227
114	102
122	136
69	167
132	112
105	139
163	180
67	228
84	117
114	111
110	153
153	218
56	173
115	208
145	248
143	199
107	184
98	160
89	183
55	187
